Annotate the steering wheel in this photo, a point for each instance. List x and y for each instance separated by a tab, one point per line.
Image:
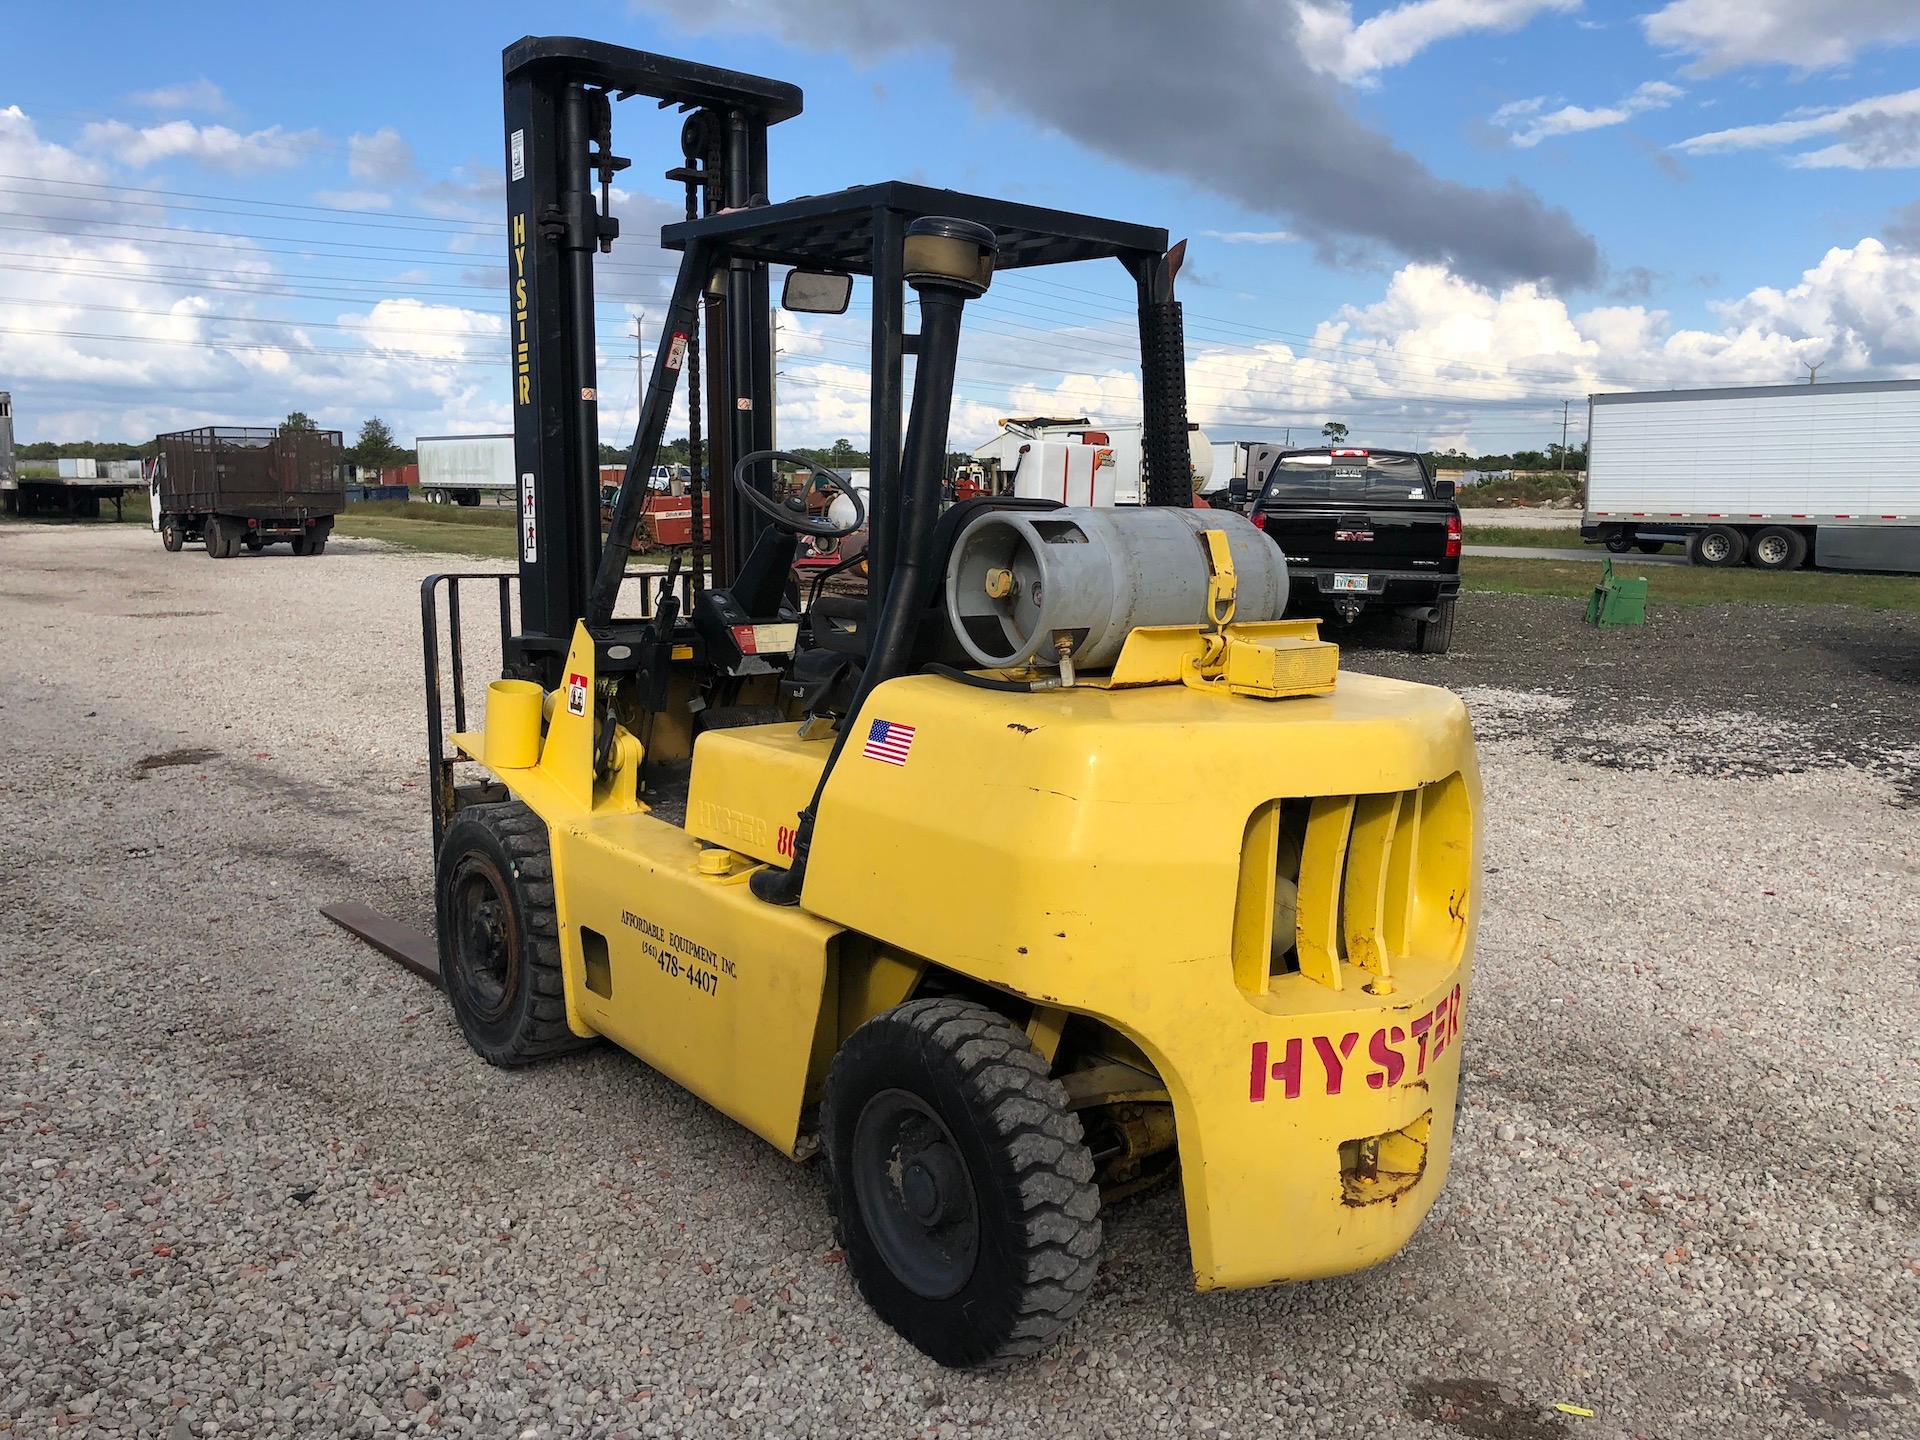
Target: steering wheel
790	514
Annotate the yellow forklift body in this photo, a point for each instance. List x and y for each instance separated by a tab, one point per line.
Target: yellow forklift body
1119	854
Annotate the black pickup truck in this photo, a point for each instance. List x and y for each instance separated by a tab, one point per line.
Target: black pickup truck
1362	529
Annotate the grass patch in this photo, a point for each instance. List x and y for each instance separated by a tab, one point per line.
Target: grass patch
1692	585
493	542
1560	537
497	517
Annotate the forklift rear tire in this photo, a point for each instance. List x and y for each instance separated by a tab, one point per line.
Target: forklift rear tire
499	938
963	1189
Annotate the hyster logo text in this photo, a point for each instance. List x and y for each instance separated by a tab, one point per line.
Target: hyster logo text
522	356
1393	1053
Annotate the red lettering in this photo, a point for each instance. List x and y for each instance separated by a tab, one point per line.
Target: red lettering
1335	1065
1392	1063
1442	1026
1454	1020
1286	1071
1420	1028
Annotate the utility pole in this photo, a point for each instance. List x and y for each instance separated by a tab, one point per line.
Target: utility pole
1564	463
1813	371
639	366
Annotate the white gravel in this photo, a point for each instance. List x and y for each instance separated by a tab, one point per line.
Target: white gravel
252	1183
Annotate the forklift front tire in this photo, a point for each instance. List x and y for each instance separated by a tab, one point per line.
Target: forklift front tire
963	1188
499	938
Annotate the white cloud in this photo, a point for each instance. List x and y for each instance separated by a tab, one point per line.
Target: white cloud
214	146
1879	133
201	94
1531	122
354	199
1803	34
1252	237
1332	43
1438	355
382	158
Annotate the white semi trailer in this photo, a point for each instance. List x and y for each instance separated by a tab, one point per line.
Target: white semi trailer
461	469
1773	476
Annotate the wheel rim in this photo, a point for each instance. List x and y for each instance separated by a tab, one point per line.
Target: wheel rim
1772	550
1715	547
915	1193
486	946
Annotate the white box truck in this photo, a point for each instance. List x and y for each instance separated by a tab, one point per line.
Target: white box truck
1772	476
462	469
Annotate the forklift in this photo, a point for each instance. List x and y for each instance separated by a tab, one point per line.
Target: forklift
1054	866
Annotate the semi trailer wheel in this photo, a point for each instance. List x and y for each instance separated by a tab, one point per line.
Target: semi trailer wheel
1717	546
962	1185
1777	548
499	939
1620	542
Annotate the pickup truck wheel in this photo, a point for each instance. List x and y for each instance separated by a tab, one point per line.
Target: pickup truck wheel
1621	543
1777	548
963	1189
170	536
499	936
1717	547
1435	636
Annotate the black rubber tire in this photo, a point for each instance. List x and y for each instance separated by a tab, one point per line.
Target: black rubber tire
1777	548
1435	636
1023	1161
301	545
214	536
170	537
253	542
1649	547
317	545
1716	547
498	854
1621	543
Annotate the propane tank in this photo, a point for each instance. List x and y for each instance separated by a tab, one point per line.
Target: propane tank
1039	584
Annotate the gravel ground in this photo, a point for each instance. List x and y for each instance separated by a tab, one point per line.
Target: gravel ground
252	1183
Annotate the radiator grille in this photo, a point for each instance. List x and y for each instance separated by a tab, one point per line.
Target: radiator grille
1338	881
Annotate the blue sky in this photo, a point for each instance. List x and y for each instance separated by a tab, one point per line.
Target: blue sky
1435	220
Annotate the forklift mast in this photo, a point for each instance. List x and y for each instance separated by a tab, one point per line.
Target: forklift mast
558	130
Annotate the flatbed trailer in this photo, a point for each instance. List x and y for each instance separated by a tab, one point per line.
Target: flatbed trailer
230	486
70	487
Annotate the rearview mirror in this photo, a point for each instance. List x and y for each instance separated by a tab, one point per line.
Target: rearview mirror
1444	489
816	292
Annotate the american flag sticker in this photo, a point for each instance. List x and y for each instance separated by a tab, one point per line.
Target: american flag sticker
888	741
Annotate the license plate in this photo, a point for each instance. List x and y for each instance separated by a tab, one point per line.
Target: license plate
1350	582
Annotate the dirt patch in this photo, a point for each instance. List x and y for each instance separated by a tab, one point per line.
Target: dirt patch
169	759
1722	690
1483	1409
